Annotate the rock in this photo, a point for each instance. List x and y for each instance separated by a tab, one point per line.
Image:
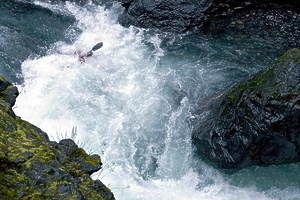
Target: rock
257	122
33	167
185	15
279	25
167	15
8	92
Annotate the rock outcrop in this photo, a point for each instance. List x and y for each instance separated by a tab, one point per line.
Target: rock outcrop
257	122
182	15
33	167
168	15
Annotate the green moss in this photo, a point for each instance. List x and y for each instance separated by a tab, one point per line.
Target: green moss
291	55
4	95
75	169
19	145
231	97
263	83
93	161
16	185
91	194
80	152
4	111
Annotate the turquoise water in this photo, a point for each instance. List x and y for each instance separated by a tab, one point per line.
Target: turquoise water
134	102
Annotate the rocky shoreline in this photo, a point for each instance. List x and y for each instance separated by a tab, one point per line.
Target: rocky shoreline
33	167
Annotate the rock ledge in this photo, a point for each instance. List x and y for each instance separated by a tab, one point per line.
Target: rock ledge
33	167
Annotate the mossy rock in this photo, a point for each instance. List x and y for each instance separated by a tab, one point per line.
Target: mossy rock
257	121
33	167
8	92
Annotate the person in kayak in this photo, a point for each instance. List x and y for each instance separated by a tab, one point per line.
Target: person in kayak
81	57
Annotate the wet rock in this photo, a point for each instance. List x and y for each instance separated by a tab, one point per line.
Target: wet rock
167	15
256	122
278	25
185	15
87	163
8	92
33	167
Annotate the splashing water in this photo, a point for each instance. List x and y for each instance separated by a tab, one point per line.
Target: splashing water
132	103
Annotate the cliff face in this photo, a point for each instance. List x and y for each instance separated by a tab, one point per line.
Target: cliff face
257	122
33	167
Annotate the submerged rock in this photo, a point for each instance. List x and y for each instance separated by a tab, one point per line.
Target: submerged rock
33	167
257	122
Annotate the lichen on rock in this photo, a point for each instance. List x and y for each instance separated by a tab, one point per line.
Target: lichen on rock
33	167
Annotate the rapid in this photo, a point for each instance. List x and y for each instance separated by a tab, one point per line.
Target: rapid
135	103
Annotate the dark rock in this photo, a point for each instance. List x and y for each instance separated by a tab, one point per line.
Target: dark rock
8	92
89	167
101	188
217	15
278	25
256	122
87	163
65	190
167	15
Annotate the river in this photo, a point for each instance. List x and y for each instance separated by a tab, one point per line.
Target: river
135	101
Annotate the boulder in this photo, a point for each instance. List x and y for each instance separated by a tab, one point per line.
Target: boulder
257	122
33	167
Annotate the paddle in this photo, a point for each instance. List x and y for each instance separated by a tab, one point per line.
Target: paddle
97	46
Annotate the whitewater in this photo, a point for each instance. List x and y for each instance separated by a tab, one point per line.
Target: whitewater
134	103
